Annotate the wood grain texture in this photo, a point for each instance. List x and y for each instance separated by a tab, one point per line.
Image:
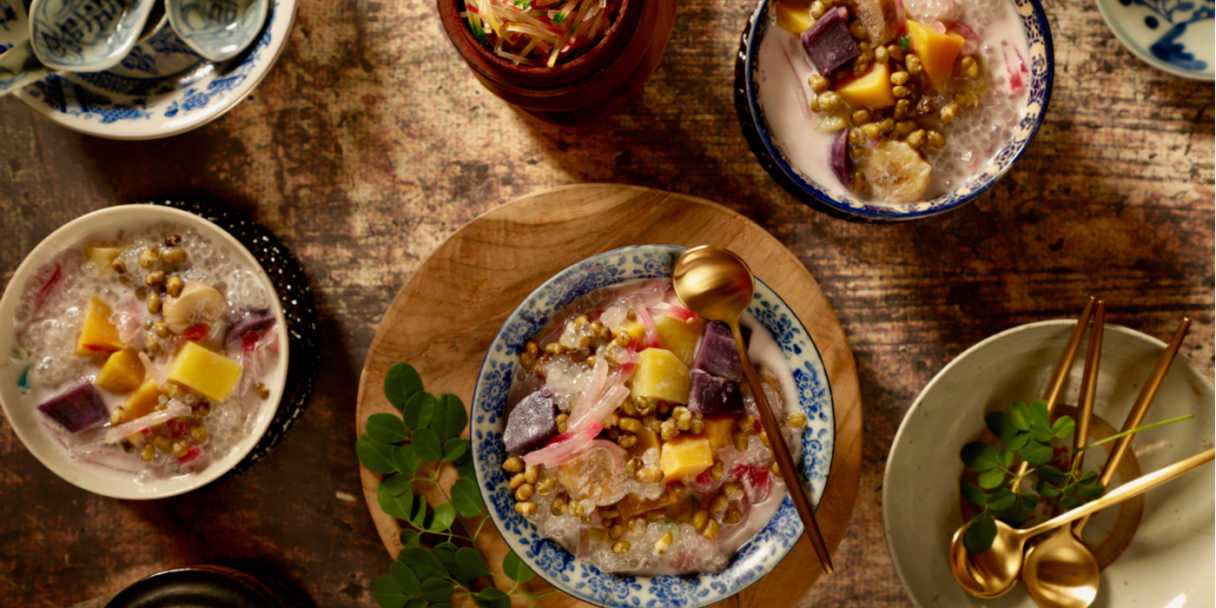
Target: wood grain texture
491	264
370	142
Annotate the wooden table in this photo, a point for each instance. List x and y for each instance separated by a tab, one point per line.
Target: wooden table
370	142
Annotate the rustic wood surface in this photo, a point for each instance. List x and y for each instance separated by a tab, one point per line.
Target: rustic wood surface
369	143
447	346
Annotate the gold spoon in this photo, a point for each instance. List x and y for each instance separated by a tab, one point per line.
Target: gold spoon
993	573
717	285
1060	571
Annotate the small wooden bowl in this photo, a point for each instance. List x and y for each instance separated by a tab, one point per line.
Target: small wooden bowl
585	88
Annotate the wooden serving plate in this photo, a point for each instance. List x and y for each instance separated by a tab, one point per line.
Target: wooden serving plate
444	318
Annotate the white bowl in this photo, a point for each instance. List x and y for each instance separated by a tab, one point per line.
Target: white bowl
1170	560
23	419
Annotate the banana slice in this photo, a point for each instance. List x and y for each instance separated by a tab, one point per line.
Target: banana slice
895	172
198	303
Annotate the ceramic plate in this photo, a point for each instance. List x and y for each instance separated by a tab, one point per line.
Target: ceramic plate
1174	36
1170	559
162	88
758	556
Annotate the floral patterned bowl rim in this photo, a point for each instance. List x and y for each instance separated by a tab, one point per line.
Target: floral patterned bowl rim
165	105
27	426
758	556
1042	70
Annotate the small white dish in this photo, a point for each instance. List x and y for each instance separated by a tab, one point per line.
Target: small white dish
217	29
1170	559
1174	36
22	417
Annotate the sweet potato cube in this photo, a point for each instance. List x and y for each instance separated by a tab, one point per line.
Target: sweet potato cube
871	90
685	457
208	373
661	375
97	335
719	431
140	403
103	257
679	337
794	17
122	372
937	51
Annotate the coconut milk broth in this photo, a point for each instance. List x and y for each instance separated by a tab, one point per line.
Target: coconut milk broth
46	334
689	552
972	139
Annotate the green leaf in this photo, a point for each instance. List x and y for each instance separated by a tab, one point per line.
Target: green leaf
1039	415
424	563
1089	491
516	569
974	494
991	478
980	534
1037	453
397	505
406	459
1063	427
387	593
466	497
1000	425
1002	499
1090	476
979	456
1018	441
418	410
417	603
1041	434
410	538
1046	489
492	597
1005	457
375	455
386	428
442	517
418	518
395	485
455	448
465	564
465	468
426	445
1019	416
436	590
450	417
405	578
400	383
1021	509
1051	474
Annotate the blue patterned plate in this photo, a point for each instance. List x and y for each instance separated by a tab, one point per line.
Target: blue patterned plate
1041	64
1174	36
758	556
162	87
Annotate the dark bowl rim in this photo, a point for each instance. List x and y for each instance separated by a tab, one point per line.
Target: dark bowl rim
747	56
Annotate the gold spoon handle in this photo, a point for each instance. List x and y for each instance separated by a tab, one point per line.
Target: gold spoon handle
1089	383
781	452
1124	492
1139	409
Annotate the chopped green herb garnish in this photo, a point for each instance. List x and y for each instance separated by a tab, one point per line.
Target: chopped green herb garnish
558	18
905	42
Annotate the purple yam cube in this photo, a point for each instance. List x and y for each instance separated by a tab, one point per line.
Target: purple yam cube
716	354
77	409
828	42
714	396
840	158
532	423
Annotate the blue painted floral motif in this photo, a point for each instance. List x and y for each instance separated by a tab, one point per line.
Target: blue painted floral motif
758	556
1180	14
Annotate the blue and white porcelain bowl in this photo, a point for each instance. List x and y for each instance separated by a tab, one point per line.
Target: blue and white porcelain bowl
1174	36
162	87
1041	65
758	556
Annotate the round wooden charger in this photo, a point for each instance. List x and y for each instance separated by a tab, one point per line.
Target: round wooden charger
444	318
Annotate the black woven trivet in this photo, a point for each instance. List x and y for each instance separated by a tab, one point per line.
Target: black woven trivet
291	286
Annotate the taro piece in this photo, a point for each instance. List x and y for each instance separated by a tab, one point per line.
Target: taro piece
717	354
713	396
828	43
532	423
840	158
77	409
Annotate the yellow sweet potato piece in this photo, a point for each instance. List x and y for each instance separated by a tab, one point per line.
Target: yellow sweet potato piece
718	431
208	373
103	257
685	457
679	337
122	372
937	51
661	375
871	90
140	403
794	17
97	335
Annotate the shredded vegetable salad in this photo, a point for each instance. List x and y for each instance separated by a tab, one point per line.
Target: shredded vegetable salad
539	32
